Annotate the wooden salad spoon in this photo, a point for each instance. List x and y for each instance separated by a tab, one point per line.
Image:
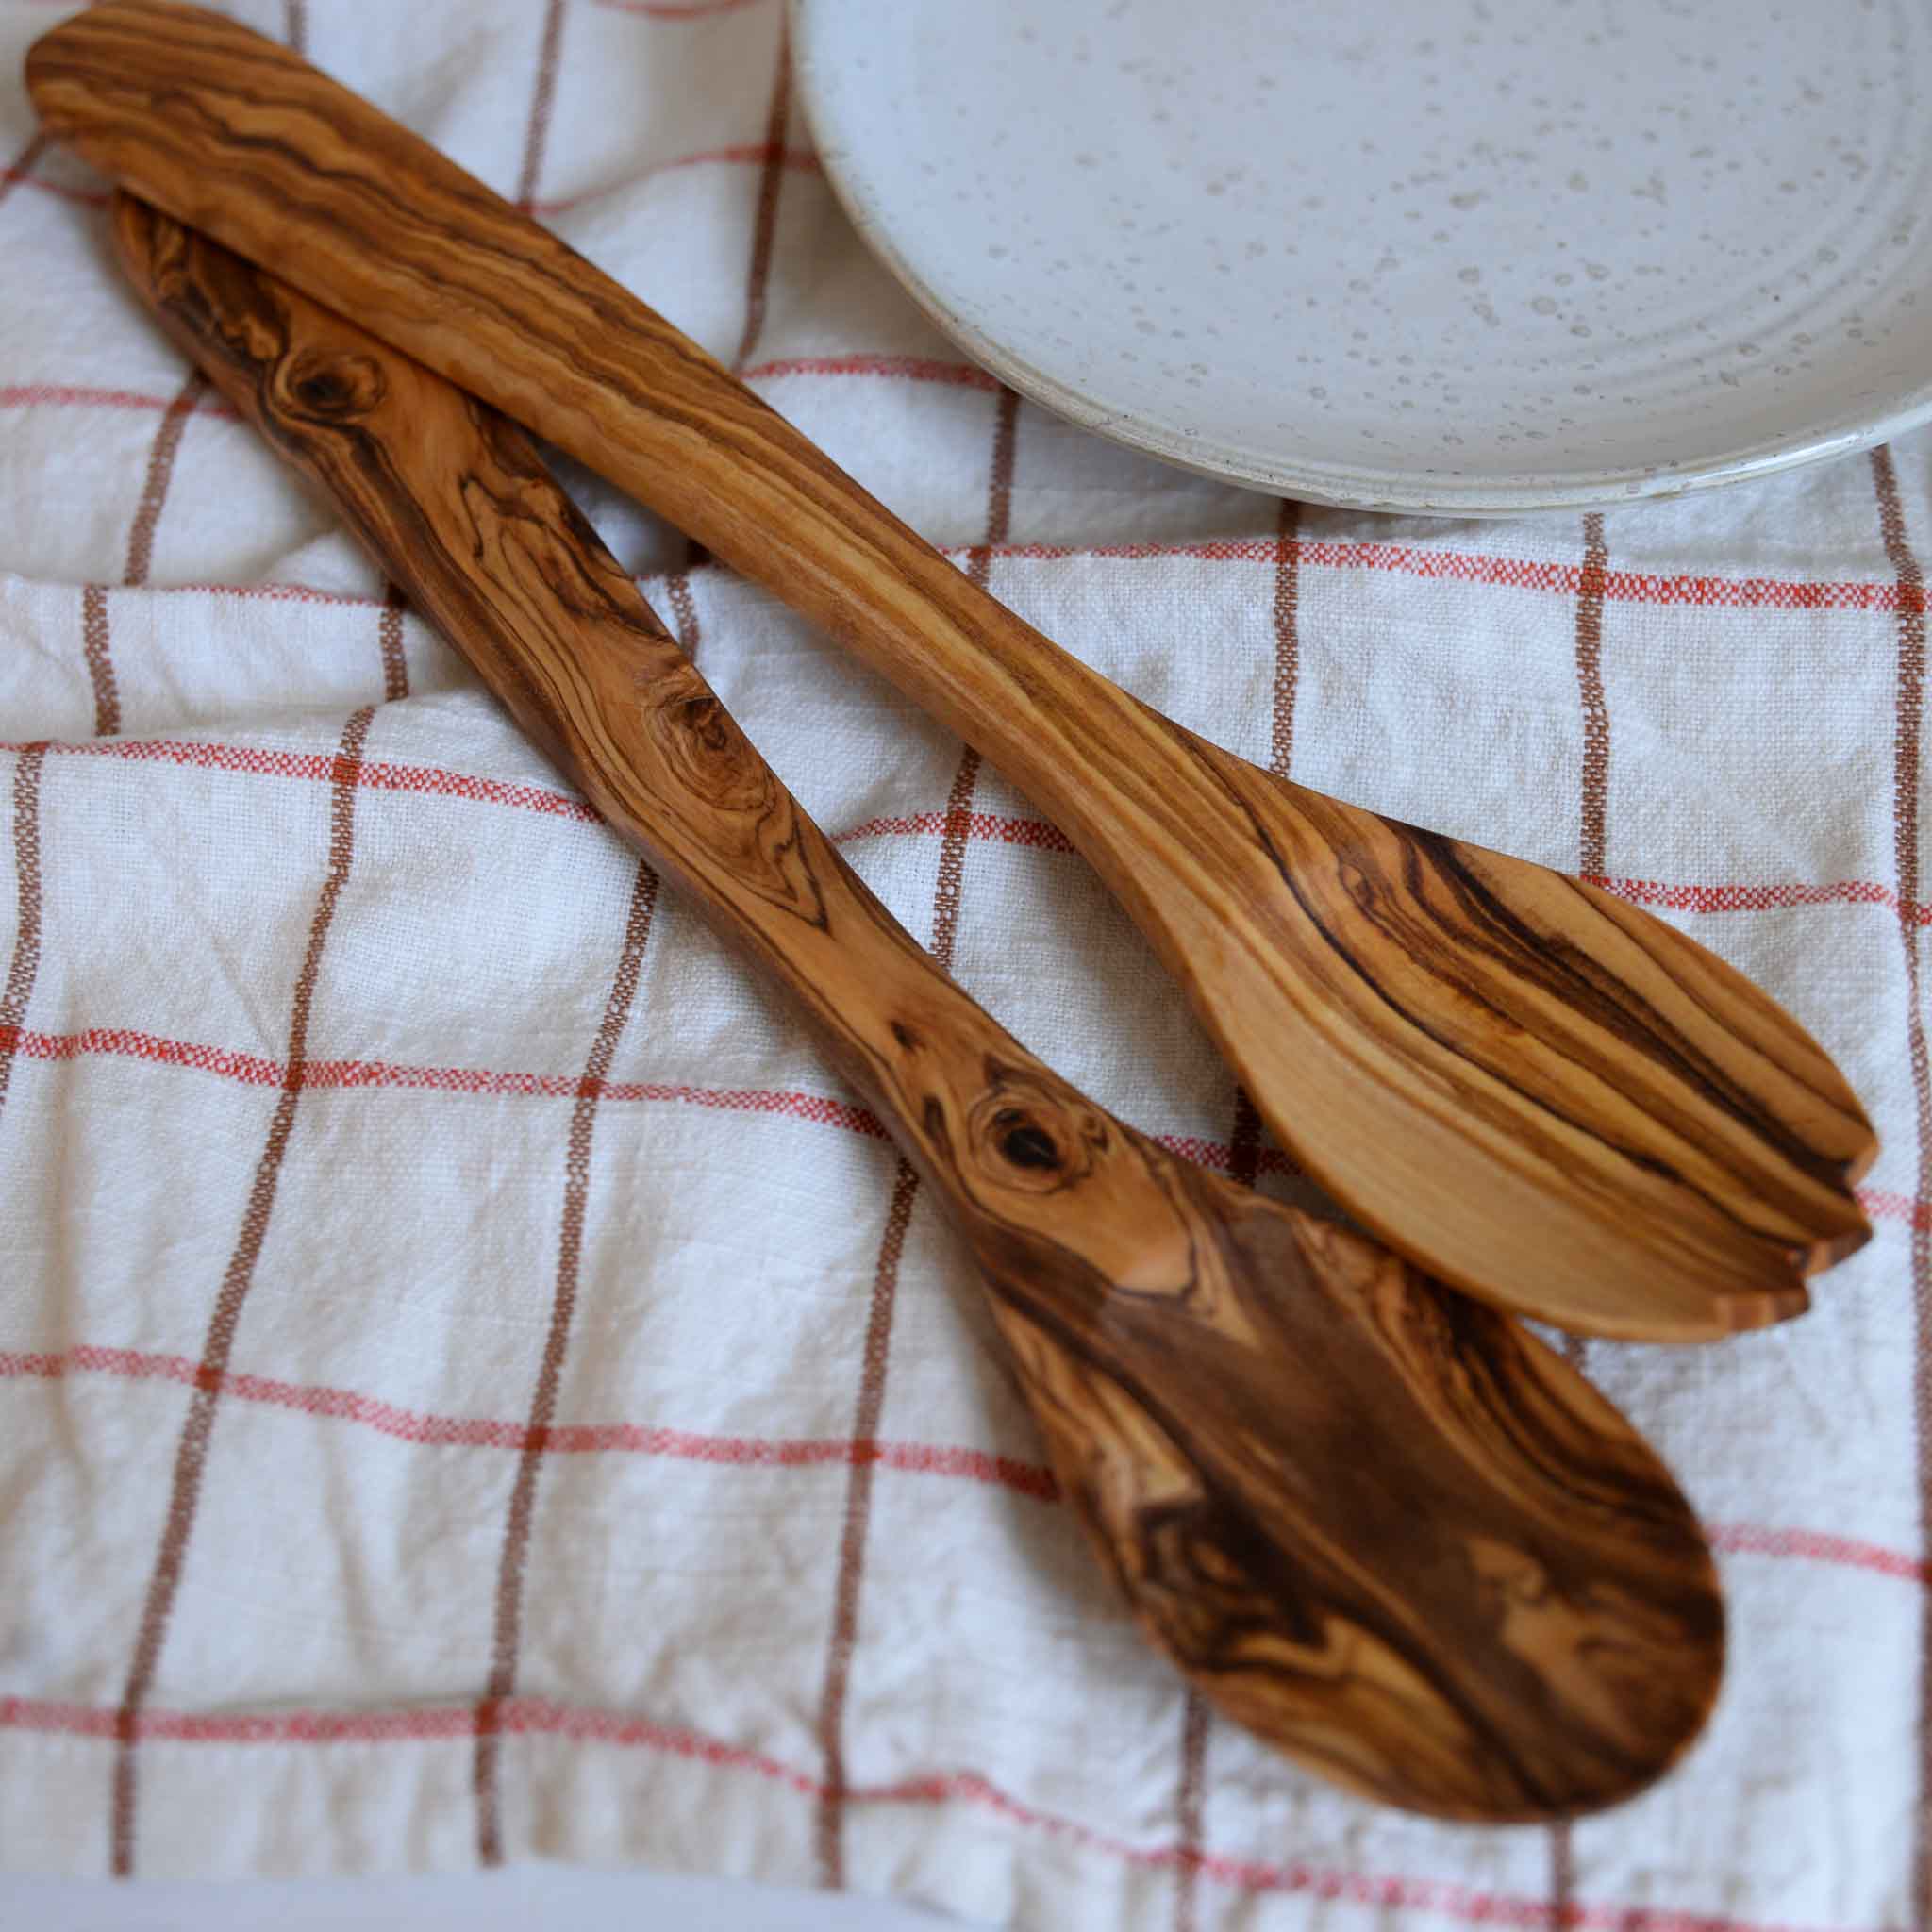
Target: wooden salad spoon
1384	1527
1537	1092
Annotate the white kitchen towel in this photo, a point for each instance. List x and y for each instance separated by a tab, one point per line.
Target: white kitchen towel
474	1386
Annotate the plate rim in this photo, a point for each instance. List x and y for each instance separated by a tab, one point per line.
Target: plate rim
1397	492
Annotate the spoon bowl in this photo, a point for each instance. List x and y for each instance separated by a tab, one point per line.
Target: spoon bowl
1378	1524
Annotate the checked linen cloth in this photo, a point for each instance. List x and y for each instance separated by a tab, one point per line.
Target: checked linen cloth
474	1386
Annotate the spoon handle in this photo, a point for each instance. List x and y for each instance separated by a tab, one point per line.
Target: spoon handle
1383	1528
454	501
1542	1095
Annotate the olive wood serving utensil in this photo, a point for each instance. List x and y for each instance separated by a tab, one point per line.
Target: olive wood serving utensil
1382	1527
1537	1092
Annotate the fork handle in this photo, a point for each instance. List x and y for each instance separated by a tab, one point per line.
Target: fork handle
244	140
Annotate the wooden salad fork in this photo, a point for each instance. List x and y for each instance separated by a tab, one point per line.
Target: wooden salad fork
1532	1089
1383	1526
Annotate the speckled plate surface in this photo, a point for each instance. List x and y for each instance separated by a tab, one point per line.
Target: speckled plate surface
1473	257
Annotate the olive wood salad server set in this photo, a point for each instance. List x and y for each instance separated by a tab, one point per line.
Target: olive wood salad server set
1381	1525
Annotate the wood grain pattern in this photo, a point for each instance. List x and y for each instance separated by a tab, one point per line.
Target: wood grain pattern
1541	1094
1381	1525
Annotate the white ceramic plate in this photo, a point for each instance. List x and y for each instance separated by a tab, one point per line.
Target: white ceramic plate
1462	256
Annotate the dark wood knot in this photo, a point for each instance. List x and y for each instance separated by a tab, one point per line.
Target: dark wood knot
702	718
1024	1140
701	738
1025	1135
334	388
